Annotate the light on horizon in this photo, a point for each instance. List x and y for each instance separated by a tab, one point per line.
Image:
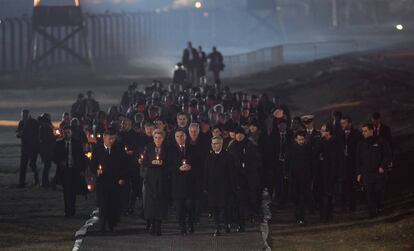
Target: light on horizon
198	4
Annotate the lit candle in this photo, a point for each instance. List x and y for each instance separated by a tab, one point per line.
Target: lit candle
141	156
126	149
90	188
184	162
57	132
157	157
88	155
98	136
100	167
92	136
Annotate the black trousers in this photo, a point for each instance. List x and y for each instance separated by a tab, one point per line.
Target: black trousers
326	207
302	198
374	195
186	212
109	204
135	192
45	173
28	157
70	178
125	195
280	184
216	76
220	216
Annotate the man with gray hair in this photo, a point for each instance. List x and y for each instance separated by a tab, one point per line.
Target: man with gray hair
218	183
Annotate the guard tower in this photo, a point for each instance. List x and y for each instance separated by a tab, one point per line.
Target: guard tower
69	16
263	15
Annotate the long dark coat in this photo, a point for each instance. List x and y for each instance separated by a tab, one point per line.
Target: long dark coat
218	179
329	164
347	154
107	184
372	153
155	184
183	183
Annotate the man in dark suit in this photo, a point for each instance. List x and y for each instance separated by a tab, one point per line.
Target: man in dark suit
182	165
109	163
348	140
219	183
372	158
248	162
190	60
299	165
71	163
381	130
128	138
28	132
279	141
216	64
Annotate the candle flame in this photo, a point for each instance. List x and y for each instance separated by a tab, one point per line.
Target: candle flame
90	188
88	155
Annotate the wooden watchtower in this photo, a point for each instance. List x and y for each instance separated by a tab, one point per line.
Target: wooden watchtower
69	16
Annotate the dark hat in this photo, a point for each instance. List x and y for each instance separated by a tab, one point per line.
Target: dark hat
307	118
239	129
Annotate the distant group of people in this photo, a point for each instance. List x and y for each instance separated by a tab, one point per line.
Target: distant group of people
205	149
192	68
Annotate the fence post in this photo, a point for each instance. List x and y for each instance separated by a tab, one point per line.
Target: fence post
3	46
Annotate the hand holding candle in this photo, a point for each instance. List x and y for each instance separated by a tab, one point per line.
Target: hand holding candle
141	158
157	160
100	170
185	166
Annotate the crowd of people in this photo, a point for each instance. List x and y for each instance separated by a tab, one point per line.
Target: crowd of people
201	148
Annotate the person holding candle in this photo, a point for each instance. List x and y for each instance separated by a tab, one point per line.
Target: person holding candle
155	156
128	138
109	162
182	166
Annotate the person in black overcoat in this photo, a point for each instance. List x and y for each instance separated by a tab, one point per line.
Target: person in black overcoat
219	183
277	181
348	140
109	162
372	158
127	137
182	165
202	146
47	141
329	163
299	161
28	132
71	163
190	60
155	201
247	165
216	64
